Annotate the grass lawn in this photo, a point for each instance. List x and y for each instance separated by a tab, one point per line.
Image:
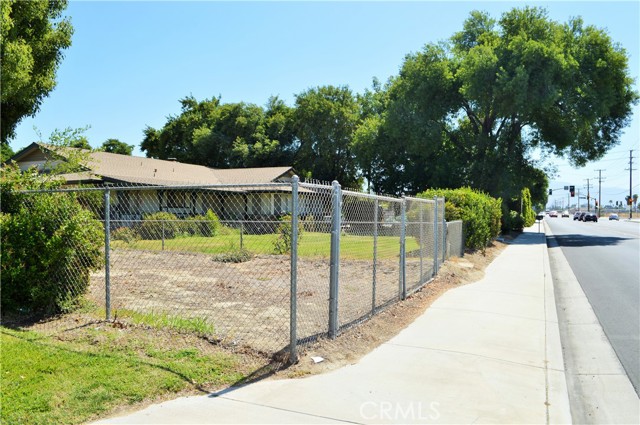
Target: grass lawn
80	376
352	247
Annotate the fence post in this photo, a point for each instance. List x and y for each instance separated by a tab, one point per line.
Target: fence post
163	235
403	253
336	223
421	206
293	302
435	237
107	247
445	230
375	257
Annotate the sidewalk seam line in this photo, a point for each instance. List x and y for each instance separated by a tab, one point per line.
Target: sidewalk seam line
291	411
466	353
488	312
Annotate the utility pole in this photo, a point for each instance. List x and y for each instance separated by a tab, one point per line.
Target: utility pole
600	191
630	201
588	196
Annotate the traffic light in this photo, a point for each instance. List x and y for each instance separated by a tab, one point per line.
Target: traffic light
572	190
550	191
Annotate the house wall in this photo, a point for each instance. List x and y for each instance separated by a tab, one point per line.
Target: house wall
36	159
134	205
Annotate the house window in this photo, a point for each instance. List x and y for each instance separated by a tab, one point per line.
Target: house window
280	204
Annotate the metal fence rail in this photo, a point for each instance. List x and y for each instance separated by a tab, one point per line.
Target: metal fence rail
271	267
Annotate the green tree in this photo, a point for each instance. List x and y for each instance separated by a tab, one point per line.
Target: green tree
225	135
33	38
325	120
471	110
116	146
5	152
528	215
80	142
176	138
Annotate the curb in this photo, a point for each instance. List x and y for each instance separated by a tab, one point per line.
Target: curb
557	382
599	391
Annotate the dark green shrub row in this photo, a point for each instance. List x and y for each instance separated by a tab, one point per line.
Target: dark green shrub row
480	213
166	225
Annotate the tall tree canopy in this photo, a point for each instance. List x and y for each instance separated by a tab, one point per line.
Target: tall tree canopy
470	111
325	120
116	146
33	37
224	135
466	112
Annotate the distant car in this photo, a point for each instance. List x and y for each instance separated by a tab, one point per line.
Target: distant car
614	217
590	217
553	213
565	213
576	215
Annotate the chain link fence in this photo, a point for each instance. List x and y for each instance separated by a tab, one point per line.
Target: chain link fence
271	267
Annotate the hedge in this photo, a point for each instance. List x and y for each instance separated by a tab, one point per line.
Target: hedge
480	213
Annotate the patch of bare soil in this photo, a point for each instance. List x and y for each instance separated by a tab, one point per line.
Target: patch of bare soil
357	341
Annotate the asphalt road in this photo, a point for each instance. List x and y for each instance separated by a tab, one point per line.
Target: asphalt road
605	258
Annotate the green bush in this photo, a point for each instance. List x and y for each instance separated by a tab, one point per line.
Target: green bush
515	221
234	254
528	214
158	225
283	242
207	225
480	212
50	244
125	234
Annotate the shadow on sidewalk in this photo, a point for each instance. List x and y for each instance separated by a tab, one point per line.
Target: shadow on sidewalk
528	238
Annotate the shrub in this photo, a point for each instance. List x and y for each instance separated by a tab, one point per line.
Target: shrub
480	212
50	244
208	224
283	242
515	221
528	214
125	234
234	255
158	225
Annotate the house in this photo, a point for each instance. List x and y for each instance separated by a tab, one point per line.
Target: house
182	189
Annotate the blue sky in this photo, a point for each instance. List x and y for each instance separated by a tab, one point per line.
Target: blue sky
130	62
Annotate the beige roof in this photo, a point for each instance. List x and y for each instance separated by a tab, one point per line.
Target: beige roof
149	171
132	169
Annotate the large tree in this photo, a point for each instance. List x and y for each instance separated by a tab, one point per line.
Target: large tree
116	146
33	37
226	135
325	120
471	110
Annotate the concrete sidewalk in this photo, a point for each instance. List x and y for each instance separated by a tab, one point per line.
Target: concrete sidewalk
488	352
